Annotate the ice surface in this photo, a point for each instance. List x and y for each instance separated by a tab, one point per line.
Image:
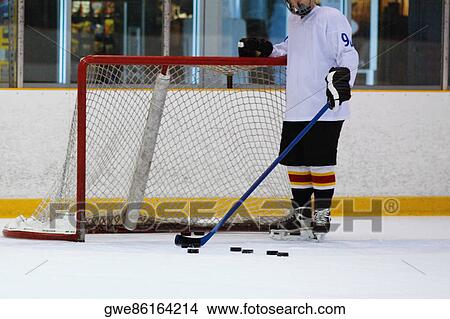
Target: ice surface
410	258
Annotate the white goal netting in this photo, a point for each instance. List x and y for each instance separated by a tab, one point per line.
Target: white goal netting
220	129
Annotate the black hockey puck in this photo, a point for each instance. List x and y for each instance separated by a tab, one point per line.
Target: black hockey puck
199	233
236	249
193	251
282	254
272	252
247	251
185	233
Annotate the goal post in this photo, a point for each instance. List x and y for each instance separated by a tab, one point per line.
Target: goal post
180	137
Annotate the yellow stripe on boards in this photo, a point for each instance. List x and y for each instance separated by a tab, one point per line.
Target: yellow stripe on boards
11	208
348	206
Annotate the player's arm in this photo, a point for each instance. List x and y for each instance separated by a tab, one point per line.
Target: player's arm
339	34
280	49
342	77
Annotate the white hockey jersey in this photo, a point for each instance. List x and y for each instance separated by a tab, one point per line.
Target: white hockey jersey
316	43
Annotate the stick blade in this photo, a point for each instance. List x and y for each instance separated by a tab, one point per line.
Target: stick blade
193	242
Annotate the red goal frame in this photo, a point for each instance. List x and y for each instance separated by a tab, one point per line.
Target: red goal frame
164	63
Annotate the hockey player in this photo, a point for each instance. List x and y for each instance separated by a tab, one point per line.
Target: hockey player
322	66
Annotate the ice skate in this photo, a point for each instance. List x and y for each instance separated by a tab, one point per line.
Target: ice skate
296	225
321	223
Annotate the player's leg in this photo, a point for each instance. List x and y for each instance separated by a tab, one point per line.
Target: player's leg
324	182
322	147
302	190
300	180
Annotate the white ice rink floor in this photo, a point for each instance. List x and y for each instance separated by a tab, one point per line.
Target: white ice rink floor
410	258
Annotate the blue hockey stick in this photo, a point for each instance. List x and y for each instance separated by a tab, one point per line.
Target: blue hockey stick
181	240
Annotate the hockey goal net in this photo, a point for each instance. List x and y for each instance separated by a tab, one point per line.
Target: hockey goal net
167	144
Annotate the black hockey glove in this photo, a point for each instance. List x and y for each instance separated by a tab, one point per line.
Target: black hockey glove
254	47
338	86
